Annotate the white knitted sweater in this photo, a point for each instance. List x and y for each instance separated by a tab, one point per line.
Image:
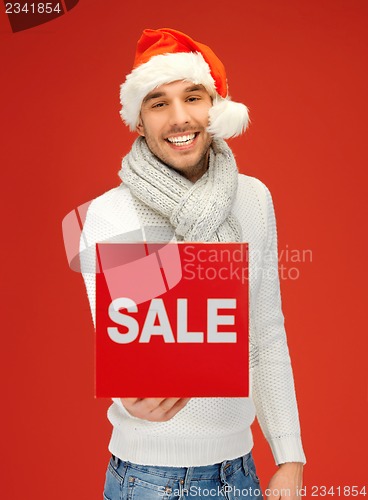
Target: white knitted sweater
210	430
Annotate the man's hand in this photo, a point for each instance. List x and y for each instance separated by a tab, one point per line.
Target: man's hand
286	483
154	409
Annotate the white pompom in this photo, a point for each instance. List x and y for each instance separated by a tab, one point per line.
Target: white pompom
227	118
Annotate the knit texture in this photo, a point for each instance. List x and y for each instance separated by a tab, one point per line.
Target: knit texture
210	430
199	211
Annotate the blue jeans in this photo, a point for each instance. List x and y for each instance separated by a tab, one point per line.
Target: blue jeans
226	481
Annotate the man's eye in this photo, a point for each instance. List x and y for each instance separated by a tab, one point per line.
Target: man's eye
158	105
193	99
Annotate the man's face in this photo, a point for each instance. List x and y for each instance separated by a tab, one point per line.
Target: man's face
173	120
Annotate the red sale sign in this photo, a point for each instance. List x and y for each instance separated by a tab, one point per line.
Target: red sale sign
172	320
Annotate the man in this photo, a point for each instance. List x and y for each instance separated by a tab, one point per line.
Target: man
181	177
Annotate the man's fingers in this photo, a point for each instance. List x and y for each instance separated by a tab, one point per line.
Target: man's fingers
128	401
168	403
165	410
151	403
140	407
176	407
181	403
154	409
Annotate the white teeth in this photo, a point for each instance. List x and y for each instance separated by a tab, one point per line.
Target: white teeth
182	139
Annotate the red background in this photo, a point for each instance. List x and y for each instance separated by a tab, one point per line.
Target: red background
300	66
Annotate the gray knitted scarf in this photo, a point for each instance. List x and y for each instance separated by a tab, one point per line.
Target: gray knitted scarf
199	211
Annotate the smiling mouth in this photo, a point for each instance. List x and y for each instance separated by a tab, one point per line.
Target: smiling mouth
182	140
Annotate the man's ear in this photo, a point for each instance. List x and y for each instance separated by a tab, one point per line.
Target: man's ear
139	127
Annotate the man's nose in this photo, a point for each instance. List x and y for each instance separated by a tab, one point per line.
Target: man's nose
179	114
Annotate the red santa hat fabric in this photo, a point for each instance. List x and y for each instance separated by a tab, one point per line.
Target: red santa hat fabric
166	55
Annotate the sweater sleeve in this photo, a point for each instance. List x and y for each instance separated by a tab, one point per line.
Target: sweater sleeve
272	381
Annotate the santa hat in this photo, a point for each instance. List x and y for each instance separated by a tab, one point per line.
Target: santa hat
167	55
